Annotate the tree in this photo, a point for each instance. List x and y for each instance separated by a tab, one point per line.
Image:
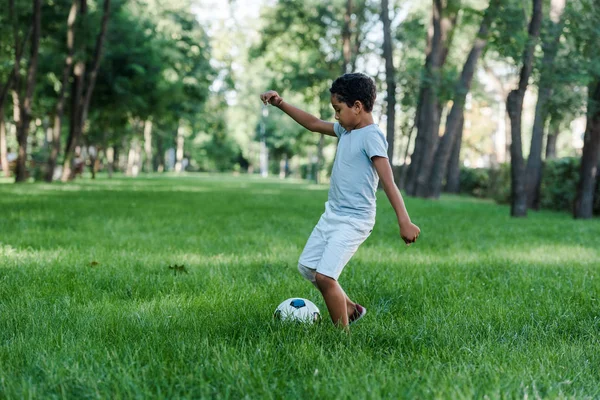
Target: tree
83	87
11	79
453	175
456	116
533	172
514	106
584	200
25	102
586	39
390	78
429	109
60	102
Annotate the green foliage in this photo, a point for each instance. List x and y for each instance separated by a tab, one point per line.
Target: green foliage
558	187
92	307
508	33
213	148
559	183
474	181
499	188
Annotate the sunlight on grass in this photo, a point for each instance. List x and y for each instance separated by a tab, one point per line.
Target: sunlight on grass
560	255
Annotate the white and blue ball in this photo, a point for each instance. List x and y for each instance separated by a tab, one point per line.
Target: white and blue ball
297	309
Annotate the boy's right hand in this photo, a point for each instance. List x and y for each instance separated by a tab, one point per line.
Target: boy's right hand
409	233
271	97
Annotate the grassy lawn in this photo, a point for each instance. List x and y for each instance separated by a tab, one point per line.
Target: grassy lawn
482	305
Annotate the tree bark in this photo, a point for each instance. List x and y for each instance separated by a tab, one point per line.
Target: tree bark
588	173
60	103
160	154
83	97
453	176
179	151
514	106
26	104
320	147
429	109
92	153
346	36
148	144
455	117
390	79
75	117
3	149
12	78
551	140
110	160
533	172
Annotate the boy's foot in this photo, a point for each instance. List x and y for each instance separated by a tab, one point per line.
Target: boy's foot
359	312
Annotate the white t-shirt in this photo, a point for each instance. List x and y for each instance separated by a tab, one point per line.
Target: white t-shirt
354	178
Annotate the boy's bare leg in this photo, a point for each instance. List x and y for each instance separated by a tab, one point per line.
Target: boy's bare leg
338	303
311	275
350	305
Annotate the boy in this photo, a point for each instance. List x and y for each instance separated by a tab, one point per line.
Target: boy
360	161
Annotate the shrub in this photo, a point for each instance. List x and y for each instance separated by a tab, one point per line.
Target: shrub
557	191
499	187
559	183
474	181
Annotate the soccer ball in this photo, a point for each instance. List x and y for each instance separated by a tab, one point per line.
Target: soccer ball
297	309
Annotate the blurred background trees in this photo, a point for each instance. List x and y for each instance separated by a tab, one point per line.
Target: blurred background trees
493	98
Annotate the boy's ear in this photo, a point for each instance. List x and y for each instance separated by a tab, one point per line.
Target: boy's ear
358	106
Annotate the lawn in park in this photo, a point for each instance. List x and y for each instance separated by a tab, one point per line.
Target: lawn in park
164	287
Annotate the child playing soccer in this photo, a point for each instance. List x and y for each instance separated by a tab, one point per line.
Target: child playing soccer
360	161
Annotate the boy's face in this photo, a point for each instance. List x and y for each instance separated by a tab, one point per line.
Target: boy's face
348	117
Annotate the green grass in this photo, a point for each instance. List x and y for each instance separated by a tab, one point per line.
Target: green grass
483	305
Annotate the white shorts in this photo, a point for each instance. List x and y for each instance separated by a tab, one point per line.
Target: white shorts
333	241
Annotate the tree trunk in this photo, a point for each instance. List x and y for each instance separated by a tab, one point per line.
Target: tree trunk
455	117
320	162
401	182
160	154
110	160
453	176
83	94
92	153
588	173
26	105
428	117
148	144
346	36
533	172
514	106
390	79
3	150
134	158
13	80
60	103
76	93
179	151
551	141
283	166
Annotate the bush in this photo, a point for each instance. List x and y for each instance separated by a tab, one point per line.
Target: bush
558	187
559	184
474	181
499	187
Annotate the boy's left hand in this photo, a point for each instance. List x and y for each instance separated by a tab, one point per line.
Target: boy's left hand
409	233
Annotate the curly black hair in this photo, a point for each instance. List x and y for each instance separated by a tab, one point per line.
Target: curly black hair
356	86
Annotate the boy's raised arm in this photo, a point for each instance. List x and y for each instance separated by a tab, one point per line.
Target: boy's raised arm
305	119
